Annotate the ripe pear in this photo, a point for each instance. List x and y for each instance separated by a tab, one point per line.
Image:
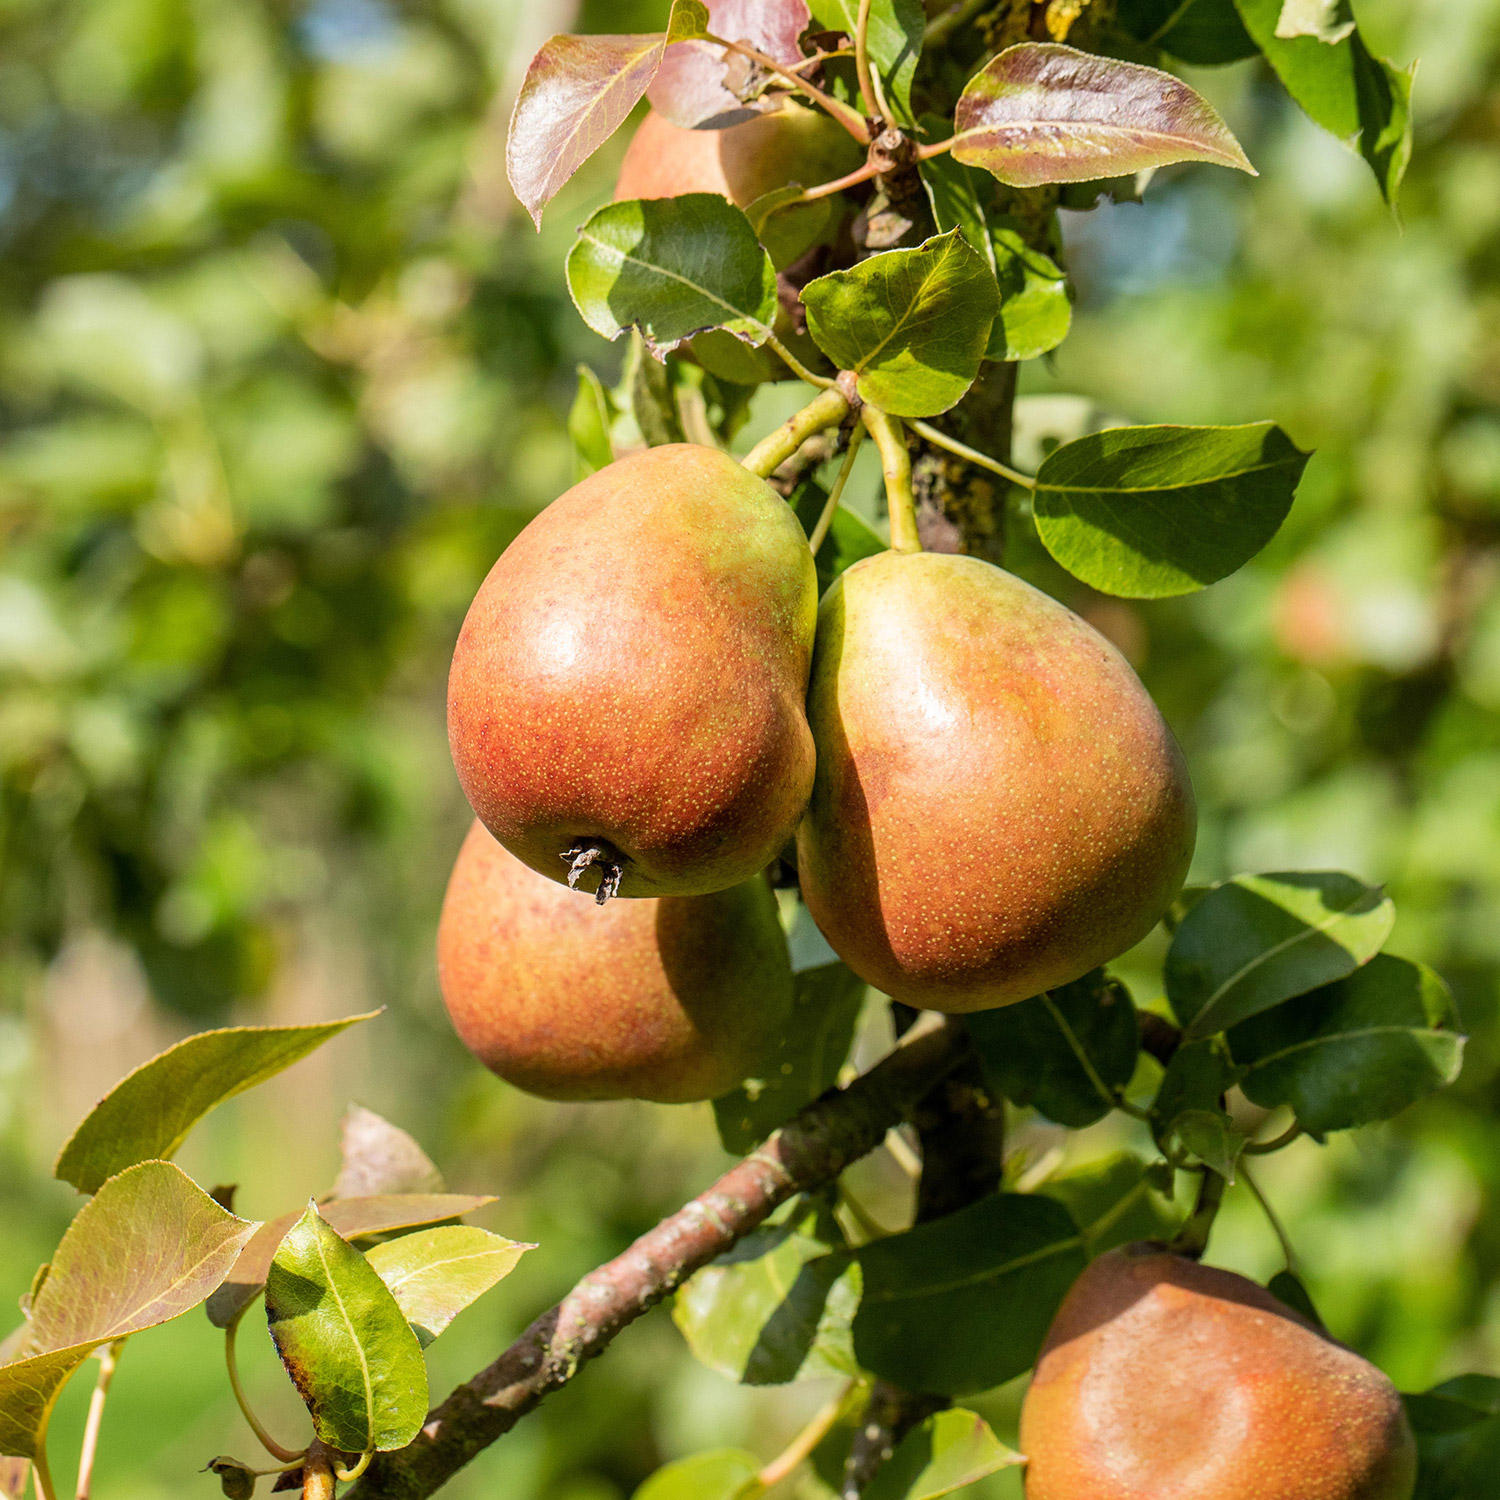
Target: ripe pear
672	999
627	690
1163	1379
999	807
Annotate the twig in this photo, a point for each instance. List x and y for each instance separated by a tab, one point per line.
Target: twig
895	460
317	1473
796	1453
809	1151
891	1413
109	1357
972	455
828	189
823	411
820	531
795	365
840	111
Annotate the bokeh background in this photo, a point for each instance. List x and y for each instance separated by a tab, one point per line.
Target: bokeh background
282	369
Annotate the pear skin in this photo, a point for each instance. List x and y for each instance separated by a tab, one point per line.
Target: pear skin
999	806
630	678
673	1000
1163	1379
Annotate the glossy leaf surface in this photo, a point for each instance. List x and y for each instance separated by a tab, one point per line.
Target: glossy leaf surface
912	324
894	39
435	1274
963	1303
1358	1050
1041	112
147	1115
344	1341
944	1453
1257	940
672	267
1148	512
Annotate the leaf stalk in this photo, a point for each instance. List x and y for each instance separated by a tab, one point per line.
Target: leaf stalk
275	1449
825	410
799	1450
895	460
830	509
848	118
874	98
939	438
107	1362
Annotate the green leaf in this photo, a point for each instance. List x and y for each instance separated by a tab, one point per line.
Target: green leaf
647	385
1457	1425
436	1273
1203	32
350	1217
1116	1201
963	1303
588	425
1148	512
1357	1050
776	1308
1041	112
850	537
344	1341
912	324
1288	1288
672	267
381	1158
894	40
147	1115
813	1045
725	1474
946	1452
148	1247
1363	100
1208	1136
1065	1052
1188	1118
1257	940
1035	313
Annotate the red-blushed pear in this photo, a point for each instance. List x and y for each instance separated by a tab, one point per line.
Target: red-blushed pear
674	999
625	703
1163	1379
998	807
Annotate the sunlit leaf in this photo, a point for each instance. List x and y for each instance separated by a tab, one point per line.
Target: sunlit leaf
1041	112
1363	100
690	88
1147	512
1257	940
588	425
344	1341
812	1048
776	1308
724	1474
1066	1052
1115	1201
939	1455
436	1273
148	1114
1357	1050
350	1217
1204	32
672	267
381	1158
894	39
963	1303
912	324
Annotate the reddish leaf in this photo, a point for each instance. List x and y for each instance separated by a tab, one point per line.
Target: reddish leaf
1045	113
690	88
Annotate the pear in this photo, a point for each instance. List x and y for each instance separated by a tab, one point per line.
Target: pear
625	703
999	807
671	999
1163	1379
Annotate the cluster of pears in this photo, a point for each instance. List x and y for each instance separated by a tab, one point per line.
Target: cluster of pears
648	701
1164	1379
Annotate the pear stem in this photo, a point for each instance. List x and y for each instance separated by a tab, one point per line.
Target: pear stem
820	531
896	462
583	854
826	409
1192	1238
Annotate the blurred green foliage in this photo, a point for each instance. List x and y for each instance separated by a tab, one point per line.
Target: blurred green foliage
283	368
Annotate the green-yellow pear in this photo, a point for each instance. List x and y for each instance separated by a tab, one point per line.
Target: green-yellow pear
1163	1379
671	999
998	807
625	702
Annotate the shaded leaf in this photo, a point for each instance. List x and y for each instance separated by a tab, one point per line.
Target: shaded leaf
894	41
380	1158
776	1308
236	1480
652	401
344	1341
436	1273
963	1303
1357	1050
1289	1289
1257	940
147	1115
1115	1202
672	267
588	425
350	1217
1205	32
1148	512
942	1454
1457	1425
850	537
1041	112
724	1474
812	1048
1361	99
1065	1052
1188	1118
912	324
